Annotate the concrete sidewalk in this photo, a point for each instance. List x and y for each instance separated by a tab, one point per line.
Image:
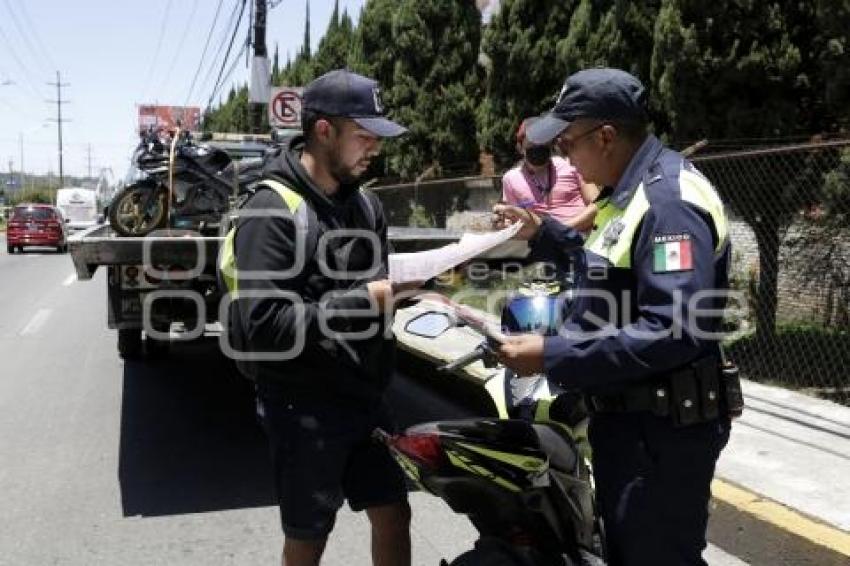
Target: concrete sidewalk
786	467
794	449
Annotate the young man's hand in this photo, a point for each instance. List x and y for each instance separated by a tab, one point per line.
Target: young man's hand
523	353
505	215
385	293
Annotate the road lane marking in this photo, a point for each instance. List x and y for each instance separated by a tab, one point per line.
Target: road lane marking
782	517
69	280
36	322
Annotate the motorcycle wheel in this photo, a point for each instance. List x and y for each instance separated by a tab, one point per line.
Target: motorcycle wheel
126	214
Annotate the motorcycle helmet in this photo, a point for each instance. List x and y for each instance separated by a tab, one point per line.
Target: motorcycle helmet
537	306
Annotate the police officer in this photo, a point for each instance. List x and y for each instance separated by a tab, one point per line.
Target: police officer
641	337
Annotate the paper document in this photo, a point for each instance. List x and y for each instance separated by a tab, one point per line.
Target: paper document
421	266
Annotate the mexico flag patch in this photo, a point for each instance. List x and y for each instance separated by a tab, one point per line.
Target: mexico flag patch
672	252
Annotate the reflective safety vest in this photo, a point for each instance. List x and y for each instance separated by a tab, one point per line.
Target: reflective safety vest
615	228
226	264
304	218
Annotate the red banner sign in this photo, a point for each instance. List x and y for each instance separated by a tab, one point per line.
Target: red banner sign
168	117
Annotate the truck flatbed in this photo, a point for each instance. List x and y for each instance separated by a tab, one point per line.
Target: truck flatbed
100	245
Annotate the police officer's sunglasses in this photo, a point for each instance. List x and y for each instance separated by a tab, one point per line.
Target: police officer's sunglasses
568	145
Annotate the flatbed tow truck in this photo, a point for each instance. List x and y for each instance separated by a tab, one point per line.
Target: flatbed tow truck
163	287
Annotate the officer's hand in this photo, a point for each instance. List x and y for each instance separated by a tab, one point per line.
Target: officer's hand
522	353
386	294
505	215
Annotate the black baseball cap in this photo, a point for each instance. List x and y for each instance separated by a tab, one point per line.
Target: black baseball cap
605	94
349	95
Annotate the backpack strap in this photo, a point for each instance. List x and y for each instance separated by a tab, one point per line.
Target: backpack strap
369	210
302	215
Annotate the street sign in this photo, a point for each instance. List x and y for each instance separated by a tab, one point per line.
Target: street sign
285	107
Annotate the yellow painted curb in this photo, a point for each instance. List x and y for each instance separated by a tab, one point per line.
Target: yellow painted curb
782	517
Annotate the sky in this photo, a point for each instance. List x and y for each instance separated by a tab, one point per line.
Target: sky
115	54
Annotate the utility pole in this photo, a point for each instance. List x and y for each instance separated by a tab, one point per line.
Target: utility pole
89	159
59	84
260	70
21	142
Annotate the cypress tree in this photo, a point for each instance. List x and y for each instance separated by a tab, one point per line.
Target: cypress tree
335	47
523	76
436	86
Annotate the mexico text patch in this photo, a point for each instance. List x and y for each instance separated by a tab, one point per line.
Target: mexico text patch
672	252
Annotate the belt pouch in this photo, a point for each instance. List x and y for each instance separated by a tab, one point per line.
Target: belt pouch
684	399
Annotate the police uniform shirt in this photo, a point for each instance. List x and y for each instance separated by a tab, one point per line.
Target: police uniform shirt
651	276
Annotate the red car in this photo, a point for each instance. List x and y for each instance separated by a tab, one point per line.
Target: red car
36	225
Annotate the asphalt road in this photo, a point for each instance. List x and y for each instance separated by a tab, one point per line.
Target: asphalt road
150	462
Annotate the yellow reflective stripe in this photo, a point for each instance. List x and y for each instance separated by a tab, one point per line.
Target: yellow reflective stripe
410	468
541	411
528	463
694	190
618	252
462	463
605	214
227	262
699	192
292	199
495	386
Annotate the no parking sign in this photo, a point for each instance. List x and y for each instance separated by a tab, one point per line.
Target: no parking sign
285	107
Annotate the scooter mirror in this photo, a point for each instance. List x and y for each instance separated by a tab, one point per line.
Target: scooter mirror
429	324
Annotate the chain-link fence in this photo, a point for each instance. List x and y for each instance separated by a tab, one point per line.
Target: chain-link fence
788	207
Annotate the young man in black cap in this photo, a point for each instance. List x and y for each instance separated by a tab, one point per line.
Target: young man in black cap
642	338
307	323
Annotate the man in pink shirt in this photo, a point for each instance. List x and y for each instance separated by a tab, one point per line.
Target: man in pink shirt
548	185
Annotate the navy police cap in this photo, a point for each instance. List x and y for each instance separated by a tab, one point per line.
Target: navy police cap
349	95
604	94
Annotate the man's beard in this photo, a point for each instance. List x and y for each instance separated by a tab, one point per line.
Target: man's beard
342	174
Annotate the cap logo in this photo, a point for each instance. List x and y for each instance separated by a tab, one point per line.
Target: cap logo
562	93
376	96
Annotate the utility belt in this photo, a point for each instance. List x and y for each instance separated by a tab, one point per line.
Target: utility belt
701	392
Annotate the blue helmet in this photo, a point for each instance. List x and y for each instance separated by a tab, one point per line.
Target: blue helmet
537	307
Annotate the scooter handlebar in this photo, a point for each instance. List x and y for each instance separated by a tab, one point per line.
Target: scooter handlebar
477	354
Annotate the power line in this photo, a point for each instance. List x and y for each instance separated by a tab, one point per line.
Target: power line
214	63
24	68
156	51
26	37
229	71
204	52
227	53
178	52
45	52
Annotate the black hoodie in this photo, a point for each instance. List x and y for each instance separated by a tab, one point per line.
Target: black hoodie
327	366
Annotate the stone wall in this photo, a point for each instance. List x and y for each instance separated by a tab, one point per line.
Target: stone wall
814	271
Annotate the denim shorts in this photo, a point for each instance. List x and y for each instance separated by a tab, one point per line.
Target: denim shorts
323	454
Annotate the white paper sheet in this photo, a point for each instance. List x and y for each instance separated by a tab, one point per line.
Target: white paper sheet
421	266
